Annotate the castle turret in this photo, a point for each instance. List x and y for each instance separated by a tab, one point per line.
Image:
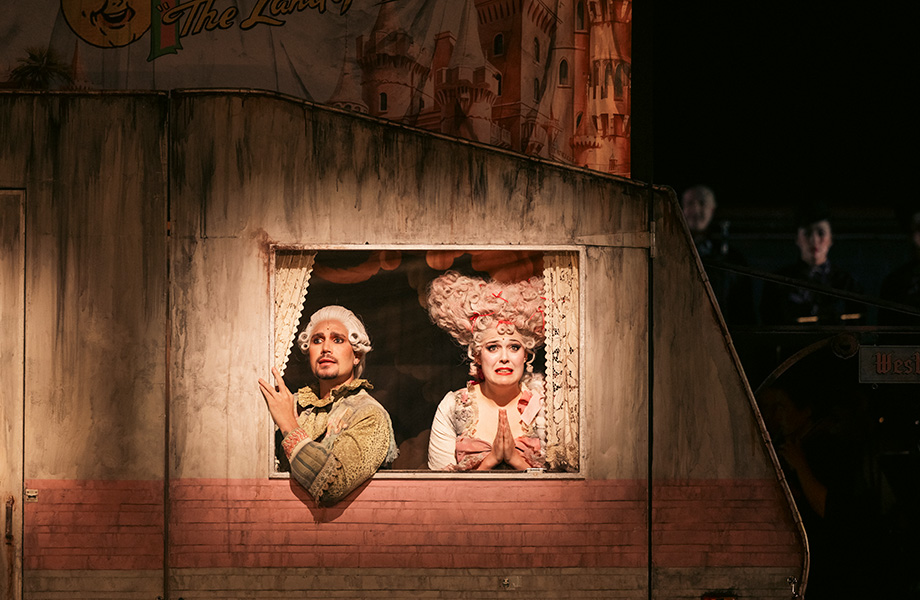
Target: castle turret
80	80
587	144
347	94
466	89
392	73
608	103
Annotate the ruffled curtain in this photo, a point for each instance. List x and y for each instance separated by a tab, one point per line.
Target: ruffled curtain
292	276
560	280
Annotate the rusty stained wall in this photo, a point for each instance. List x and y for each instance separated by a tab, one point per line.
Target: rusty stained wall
95	281
12	324
92	174
711	471
249	169
700	388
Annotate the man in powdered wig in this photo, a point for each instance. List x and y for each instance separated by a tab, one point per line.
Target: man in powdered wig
497	421
341	435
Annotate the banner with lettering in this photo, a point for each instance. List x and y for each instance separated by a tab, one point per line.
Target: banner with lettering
548	78
889	364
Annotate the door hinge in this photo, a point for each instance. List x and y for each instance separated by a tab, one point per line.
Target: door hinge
652	250
10	503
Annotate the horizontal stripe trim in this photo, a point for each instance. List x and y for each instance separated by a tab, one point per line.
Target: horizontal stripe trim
216	523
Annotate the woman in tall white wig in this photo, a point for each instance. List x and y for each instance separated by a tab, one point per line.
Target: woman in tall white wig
497	420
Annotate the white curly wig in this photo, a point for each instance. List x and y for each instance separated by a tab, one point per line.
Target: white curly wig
466	307
357	335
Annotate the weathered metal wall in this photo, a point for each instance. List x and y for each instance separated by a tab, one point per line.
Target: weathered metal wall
92	170
715	496
250	169
12	325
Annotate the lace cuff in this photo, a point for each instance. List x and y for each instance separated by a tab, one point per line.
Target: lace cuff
293	440
331	471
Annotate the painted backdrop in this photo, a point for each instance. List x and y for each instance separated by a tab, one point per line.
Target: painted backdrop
547	78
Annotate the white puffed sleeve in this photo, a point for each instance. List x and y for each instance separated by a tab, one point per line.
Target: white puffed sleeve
442	445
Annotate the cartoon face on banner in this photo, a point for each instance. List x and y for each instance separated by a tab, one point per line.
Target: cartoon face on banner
107	23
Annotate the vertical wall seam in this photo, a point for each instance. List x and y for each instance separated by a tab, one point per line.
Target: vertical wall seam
167	165
19	550
651	386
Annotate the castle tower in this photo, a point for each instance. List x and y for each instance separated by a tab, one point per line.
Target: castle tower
565	86
579	74
430	115
517	39
80	80
467	88
348	94
608	99
392	74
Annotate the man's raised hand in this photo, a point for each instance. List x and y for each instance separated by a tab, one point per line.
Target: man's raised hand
280	402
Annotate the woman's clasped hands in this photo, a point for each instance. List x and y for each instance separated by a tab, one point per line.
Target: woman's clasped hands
503	448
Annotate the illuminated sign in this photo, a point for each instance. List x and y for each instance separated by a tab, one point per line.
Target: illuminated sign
889	364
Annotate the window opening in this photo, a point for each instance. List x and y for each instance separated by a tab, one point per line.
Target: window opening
594	81
621	81
498	45
414	363
608	79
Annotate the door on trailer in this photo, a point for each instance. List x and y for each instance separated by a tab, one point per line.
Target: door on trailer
94	379
11	368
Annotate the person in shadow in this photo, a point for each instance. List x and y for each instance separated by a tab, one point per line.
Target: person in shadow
820	434
733	292
785	305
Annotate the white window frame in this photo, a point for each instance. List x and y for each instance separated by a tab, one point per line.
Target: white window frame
579	251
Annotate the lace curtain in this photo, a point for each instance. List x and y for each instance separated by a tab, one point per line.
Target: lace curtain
292	276
560	280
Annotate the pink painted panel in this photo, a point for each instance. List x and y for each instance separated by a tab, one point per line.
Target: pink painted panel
94	524
723	522
218	523
410	524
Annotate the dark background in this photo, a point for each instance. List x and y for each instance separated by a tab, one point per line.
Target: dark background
775	106
772	105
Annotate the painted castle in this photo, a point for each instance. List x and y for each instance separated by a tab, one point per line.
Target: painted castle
546	78
516	74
